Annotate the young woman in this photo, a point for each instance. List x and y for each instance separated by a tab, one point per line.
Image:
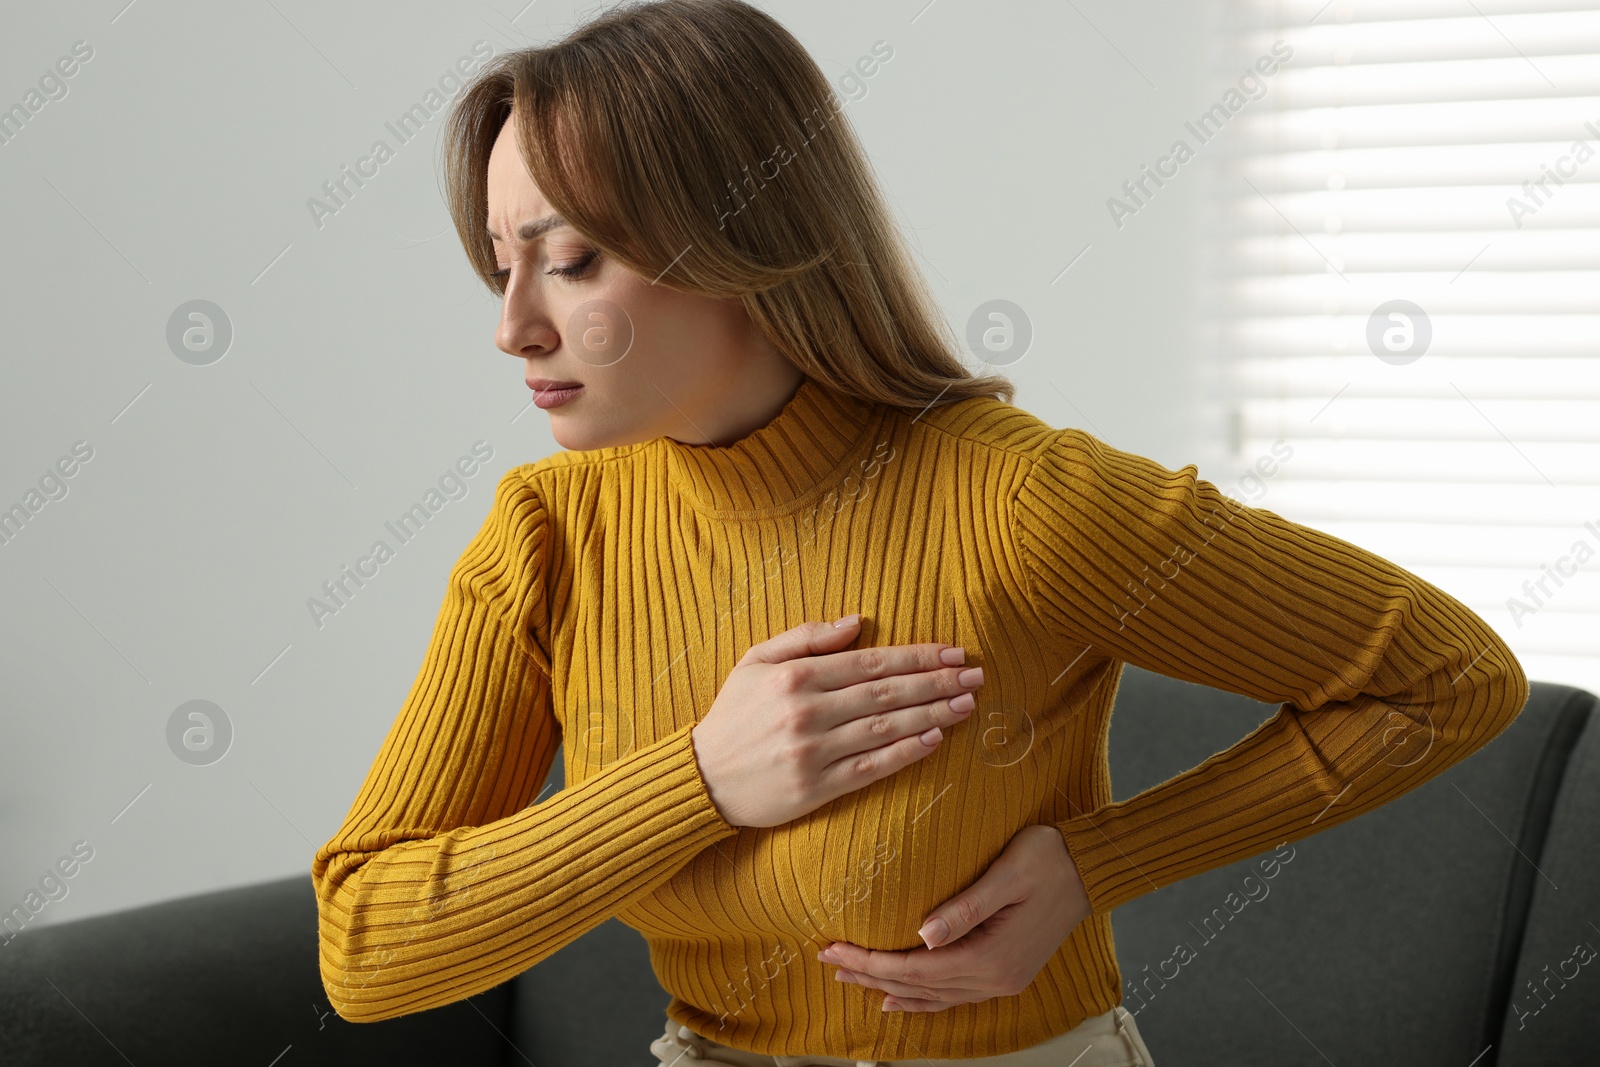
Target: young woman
884	839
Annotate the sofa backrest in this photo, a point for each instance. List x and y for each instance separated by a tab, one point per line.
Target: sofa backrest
1391	938
1553	1015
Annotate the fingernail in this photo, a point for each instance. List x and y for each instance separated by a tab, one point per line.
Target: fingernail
931	738
848	620
934	931
887	1006
953	657
963	703
971	678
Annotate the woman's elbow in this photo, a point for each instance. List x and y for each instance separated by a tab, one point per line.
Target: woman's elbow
1505	688
350	977
349	988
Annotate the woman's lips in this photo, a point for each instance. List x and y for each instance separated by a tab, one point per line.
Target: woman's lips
553	394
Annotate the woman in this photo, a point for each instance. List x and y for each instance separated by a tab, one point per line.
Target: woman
885	853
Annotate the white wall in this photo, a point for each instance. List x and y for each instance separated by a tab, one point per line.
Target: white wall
219	498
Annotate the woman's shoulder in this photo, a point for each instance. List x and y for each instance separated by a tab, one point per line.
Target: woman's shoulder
983	422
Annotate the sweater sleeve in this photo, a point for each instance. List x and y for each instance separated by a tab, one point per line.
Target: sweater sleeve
446	878
1383	679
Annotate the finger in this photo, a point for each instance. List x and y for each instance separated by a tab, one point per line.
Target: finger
905	690
902	1004
999	887
870	731
919	966
935	688
863	768
806	639
901	989
854	666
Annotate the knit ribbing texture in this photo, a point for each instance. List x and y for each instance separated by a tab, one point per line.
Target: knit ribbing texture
608	594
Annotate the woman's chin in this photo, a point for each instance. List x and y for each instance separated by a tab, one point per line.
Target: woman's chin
570	435
575	435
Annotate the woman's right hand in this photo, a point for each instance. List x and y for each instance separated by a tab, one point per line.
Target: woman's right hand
799	722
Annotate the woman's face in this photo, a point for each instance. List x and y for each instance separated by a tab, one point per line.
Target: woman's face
690	367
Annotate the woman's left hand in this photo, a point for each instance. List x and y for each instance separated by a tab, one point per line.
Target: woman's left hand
1001	931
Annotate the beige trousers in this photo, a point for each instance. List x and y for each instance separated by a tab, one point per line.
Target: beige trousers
1107	1040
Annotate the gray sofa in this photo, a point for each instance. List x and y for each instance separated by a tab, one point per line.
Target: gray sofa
1449	927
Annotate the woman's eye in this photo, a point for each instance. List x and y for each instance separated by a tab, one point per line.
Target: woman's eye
571	270
574	270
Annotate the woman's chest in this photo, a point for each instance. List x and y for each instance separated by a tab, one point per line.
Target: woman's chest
659	607
658	603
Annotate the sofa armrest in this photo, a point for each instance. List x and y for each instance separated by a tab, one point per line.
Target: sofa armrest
221	977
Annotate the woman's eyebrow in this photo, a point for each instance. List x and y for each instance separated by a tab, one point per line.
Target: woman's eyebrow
530	231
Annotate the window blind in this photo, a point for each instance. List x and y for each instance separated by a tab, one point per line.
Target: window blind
1447	156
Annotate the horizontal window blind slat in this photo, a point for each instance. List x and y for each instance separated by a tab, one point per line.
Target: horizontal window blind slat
1483	207
1457	291
1250	15
1468	466
1531	248
1357	497
1464	335
1461	34
1498	77
1350	377
1379	125
1521	549
1486	163
1421	426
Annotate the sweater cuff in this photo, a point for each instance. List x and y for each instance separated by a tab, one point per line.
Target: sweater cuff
1110	878
701	816
658	793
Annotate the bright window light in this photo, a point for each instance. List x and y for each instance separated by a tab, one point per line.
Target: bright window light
1446	156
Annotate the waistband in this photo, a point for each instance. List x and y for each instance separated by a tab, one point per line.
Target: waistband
1111	1034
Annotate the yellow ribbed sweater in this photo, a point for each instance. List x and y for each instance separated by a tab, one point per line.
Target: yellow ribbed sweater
609	592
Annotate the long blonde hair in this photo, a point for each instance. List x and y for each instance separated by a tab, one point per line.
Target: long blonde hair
698	143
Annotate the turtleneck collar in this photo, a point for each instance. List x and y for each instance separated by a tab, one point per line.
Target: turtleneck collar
776	466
